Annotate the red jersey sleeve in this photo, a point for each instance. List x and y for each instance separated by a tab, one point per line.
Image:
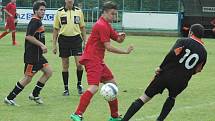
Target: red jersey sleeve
114	34
7	7
104	34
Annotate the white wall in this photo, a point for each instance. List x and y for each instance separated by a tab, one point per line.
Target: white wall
150	21
25	16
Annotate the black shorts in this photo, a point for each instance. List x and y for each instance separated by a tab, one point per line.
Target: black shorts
67	52
70	46
175	85
31	69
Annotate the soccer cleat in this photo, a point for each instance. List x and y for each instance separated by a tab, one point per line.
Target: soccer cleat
80	89
38	100
66	93
76	117
115	119
10	102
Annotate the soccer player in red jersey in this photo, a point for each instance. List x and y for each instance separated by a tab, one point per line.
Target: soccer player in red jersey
93	60
10	10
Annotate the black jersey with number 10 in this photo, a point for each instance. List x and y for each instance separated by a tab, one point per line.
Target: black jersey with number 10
184	59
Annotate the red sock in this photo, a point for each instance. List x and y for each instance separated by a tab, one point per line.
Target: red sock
14	36
114	108
3	34
84	102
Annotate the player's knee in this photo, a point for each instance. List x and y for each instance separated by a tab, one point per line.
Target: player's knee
65	64
27	79
65	68
79	67
93	88
49	73
145	98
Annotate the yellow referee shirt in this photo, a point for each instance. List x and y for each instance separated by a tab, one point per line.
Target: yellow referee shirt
69	21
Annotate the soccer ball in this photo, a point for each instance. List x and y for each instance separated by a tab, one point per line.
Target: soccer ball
109	91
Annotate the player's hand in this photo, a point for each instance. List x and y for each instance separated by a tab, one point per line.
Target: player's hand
121	37
158	70
44	49
129	49
54	50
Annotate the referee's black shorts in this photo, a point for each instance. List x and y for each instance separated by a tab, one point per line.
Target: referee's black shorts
70	46
175	85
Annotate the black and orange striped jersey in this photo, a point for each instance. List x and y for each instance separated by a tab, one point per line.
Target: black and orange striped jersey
33	53
187	57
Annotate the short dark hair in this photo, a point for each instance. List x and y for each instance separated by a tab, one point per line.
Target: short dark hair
108	5
37	4
198	30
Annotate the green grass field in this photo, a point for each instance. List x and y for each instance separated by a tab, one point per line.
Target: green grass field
133	73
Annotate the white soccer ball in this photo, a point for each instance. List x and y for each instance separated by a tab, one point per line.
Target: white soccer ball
109	91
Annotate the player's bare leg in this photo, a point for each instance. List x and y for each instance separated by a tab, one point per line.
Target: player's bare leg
79	73
47	73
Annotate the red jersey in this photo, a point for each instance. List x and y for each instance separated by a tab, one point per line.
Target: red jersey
101	32
11	8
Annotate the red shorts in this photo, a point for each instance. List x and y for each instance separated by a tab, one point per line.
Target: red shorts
10	24
97	72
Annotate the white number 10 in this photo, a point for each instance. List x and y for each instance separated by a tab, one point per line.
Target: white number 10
188	58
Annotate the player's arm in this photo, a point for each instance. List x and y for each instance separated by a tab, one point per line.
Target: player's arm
8	13
54	42
83	29
83	35
200	66
113	49
168	57
173	53
33	40
56	29
31	30
118	37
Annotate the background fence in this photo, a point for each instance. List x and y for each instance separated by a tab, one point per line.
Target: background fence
131	5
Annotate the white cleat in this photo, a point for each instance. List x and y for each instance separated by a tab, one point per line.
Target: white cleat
10	102
38	100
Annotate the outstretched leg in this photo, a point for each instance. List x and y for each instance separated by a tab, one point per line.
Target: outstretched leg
84	102
167	107
135	106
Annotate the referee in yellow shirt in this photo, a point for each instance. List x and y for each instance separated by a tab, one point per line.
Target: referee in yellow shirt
69	30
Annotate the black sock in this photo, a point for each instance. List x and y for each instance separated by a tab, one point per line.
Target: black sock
135	106
17	89
79	76
167	107
37	89
65	76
